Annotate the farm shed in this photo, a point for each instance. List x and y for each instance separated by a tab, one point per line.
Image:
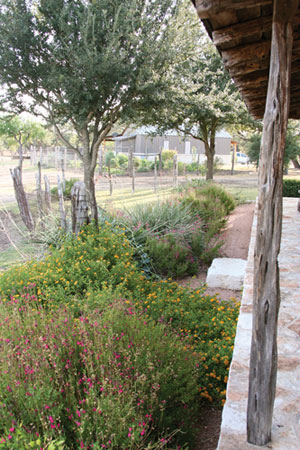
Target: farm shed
259	44
146	143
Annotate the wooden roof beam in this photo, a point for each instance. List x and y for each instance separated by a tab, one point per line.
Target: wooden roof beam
245	29
206	8
246	53
245	68
242	30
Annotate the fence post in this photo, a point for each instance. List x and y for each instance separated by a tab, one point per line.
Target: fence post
155	174
63	220
175	170
47	193
39	195
22	201
80	207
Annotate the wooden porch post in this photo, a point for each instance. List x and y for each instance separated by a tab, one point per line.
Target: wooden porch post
266	292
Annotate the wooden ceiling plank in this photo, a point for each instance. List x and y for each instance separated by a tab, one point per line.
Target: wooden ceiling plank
206	8
242	30
246	53
245	29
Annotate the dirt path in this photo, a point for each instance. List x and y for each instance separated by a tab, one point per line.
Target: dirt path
237	234
236	239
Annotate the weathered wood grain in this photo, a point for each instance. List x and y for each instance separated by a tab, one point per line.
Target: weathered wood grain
266	291
242	30
205	8
80	209
245	29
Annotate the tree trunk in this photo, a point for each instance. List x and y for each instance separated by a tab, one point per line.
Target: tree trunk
266	290
21	198
210	153
91	193
101	153
80	209
296	163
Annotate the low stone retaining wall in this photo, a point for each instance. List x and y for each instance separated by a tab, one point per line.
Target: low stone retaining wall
286	417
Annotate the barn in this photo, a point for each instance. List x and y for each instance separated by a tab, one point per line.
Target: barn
145	142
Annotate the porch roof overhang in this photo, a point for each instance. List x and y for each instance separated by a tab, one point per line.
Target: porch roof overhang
241	31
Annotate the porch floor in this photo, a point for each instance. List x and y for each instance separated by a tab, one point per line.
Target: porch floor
286	417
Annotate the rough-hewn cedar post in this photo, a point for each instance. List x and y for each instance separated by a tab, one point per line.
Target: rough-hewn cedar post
63	220
47	196
80	209
266	294
22	201
39	193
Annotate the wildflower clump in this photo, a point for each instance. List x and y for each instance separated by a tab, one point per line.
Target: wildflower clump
97	257
98	381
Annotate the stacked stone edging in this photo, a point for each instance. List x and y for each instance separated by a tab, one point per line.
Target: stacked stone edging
286	417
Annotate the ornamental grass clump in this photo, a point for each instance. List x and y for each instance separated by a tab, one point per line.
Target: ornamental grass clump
170	238
98	381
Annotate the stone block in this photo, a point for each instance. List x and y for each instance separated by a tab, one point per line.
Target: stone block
226	273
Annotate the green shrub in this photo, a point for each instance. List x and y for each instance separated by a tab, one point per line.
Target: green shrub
145	166
68	187
122	160
211	202
171	256
195	167
208	324
168	155
100	380
291	188
95	257
147	227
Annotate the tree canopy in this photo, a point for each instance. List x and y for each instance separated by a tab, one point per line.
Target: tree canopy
199	97
292	147
19	132
83	62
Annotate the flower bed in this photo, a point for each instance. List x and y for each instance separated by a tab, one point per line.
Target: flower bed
85	331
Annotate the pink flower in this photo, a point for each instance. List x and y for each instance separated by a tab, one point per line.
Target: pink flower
81	444
9	436
12	429
51	419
